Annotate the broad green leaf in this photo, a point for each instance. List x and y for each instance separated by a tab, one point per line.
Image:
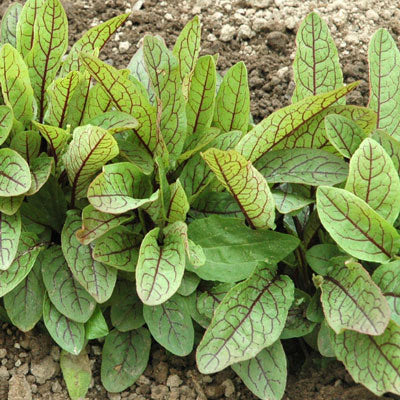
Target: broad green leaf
178	205
24	303
15	84
390	144
65	293
284	123
187	47
249	318
384	74
126	308
164	73
189	284
10	232
76	372
246	185
233	250
49	45
119	188
344	134
373	178
319	257
8	30
115	121
170	325
68	334
6	122
316	65
41	168
306	166
324	340
371	360
265	374
351	300
291	197
355	226
27	253
94	38
27	144
96	326
232	104
124	358
96	223
90	149
201	100
118	248
388	279
10	205
208	300
160	269
97	278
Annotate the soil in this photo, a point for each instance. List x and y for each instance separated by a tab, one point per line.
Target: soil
261	33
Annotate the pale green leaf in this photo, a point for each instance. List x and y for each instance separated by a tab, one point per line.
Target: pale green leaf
115	121
8	29
6	122
41	168
27	144
96	326
390	144
10	232
10	205
318	257
178	205
291	197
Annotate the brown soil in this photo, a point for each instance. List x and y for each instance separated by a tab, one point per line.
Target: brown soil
29	362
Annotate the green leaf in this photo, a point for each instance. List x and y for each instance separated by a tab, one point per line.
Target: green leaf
119	188
371	360
291	197
351	300
306	166
24	303
97	278
41	168
49	45
191	303
189	284
115	121
15	84
65	293
324	341
390	144
97	103
284	123
201	99
118	248
125	356
27	253
159	270
388	279
384	74
319	257
164	73
373	178
355	226
344	134
10	205
250	317
96	223
316	65
246	185
6	122
265	374
233	250
90	149
171	325
178	205
10	232
209	300
8	29
76	372
96	326
314	310
27	144
68	334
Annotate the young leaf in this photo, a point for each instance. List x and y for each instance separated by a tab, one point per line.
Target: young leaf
68	334
178	205
97	103
316	66
265	374
6	122
371	360
250	317
344	134
41	168
10	205
125	356
159	270
390	144
233	250
201	100
284	123
24	303
208	301
90	149
96	326
10	232
15	84
115	121
76	372
65	293
324	340
305	166
189	284
209	203
27	144
171	325
246	185
291	197
351	300
8	30
373	178
355	226
384	75
319	257
232	104
97	278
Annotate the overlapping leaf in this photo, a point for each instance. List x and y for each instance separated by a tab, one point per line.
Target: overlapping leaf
8	29
97	102
96	326
355	226
115	121
41	168
27	144
210	203
291	197
189	284
319	257
10	232
6	122
10	205
390	144
250	317
15	176
208	300
178	205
